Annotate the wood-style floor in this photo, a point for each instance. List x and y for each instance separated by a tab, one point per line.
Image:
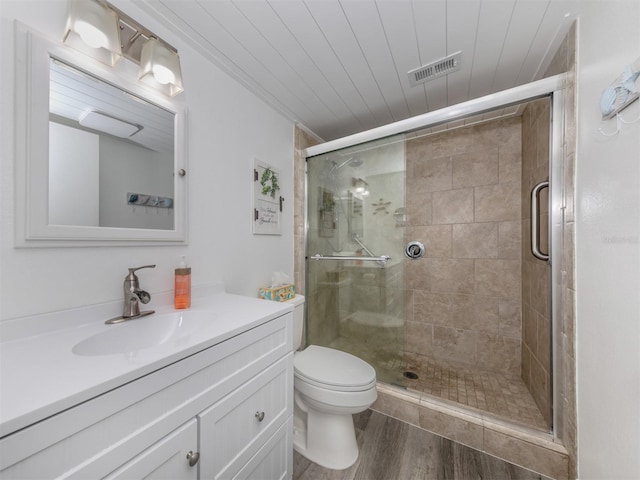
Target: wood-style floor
394	450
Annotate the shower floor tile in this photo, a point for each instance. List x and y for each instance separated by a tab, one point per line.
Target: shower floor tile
504	396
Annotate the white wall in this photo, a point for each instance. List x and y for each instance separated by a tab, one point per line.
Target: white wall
228	126
126	167
608	250
73	176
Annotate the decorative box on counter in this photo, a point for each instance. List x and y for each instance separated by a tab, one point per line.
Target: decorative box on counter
278	294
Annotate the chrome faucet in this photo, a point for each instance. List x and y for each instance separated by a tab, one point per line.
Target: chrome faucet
133	296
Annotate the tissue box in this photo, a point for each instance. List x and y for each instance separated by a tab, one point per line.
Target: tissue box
278	294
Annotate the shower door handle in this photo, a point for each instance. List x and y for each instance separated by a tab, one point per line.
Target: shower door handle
535	221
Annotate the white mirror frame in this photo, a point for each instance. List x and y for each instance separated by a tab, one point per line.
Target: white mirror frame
32	150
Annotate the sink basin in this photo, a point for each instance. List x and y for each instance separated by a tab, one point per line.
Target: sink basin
146	332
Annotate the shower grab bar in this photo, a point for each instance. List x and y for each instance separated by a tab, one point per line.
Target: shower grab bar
356	239
382	259
535	221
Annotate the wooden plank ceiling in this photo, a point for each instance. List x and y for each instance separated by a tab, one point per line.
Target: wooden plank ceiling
340	66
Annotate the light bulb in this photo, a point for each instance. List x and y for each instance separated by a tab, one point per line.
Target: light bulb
91	35
163	75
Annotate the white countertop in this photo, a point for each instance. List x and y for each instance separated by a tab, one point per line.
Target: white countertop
40	375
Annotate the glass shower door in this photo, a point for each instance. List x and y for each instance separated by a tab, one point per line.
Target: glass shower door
356	219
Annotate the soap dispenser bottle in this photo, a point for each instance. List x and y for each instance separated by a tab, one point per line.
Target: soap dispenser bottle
182	291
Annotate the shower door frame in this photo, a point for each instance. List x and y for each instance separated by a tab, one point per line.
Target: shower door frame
552	87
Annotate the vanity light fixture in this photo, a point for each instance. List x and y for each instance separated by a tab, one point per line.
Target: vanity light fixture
107	34
92	28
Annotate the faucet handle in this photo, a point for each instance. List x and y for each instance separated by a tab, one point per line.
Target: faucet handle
131	276
131	270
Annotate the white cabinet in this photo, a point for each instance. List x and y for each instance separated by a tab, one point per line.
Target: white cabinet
205	404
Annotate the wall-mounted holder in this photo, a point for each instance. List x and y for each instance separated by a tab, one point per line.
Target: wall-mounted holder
621	93
145	200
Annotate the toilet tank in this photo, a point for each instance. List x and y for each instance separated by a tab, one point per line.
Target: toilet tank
298	320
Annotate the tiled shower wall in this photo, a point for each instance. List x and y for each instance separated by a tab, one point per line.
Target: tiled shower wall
302	139
464	204
536	308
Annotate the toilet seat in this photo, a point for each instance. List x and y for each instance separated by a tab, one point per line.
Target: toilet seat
333	370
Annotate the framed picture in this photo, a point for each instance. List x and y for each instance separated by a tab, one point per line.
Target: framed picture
267	201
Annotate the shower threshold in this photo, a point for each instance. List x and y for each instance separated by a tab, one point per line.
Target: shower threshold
513	442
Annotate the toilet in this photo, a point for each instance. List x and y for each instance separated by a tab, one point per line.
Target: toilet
329	387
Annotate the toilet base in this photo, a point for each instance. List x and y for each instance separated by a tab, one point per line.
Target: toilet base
333	441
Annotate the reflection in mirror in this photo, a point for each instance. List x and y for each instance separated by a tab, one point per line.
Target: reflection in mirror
111	155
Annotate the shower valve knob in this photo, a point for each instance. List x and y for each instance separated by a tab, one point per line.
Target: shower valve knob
414	250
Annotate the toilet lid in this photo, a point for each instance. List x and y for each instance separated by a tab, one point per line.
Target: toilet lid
327	366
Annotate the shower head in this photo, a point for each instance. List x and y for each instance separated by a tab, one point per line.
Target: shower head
351	161
356	162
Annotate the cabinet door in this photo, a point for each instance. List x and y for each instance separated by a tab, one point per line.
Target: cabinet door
234	429
166	459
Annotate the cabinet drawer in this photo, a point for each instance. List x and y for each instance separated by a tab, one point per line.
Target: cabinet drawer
166	459
233	429
274	461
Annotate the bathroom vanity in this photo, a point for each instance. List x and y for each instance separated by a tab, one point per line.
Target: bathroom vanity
208	396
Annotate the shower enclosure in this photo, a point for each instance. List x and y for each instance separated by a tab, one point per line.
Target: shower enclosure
424	257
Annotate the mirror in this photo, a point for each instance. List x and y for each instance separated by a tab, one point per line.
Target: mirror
98	154
110	154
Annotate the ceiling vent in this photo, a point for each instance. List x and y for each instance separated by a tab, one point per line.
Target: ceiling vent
436	69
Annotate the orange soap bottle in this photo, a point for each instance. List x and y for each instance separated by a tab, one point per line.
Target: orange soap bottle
182	291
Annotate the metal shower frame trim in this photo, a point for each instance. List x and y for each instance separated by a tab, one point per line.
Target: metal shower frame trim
503	99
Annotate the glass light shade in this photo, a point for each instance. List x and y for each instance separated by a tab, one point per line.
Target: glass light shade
92	28
361	186
160	68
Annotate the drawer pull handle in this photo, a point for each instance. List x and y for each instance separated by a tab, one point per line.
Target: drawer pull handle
193	458
260	416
